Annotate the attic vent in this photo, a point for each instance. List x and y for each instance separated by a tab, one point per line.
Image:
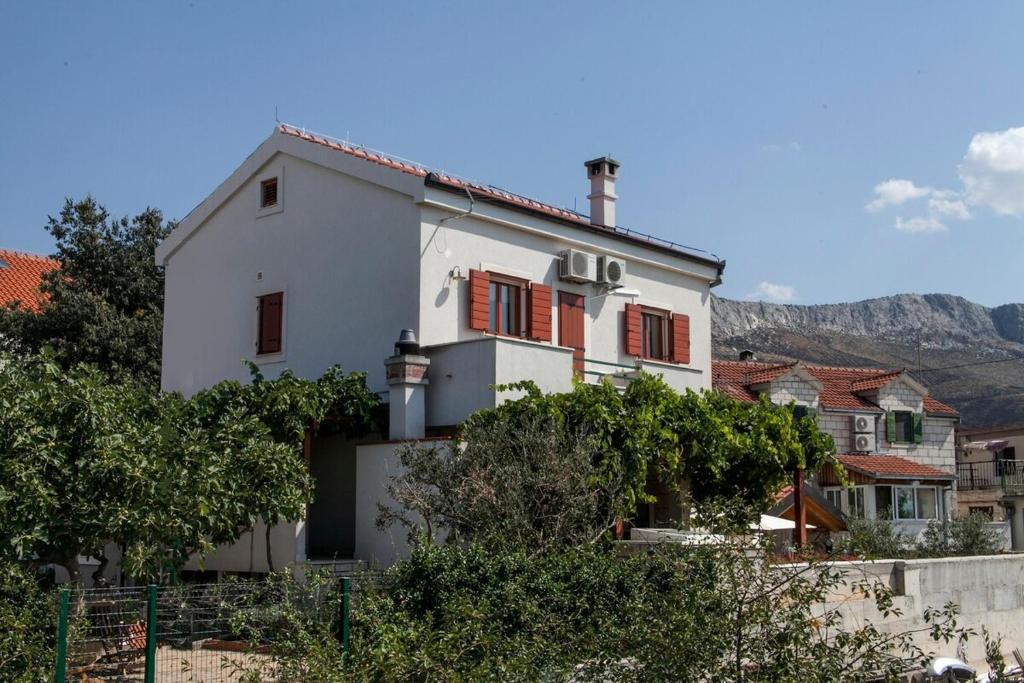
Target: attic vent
268	193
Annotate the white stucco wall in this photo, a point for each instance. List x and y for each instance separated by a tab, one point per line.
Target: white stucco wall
375	465
249	554
520	245
343	251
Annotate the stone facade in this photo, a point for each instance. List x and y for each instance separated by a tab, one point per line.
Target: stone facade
793	388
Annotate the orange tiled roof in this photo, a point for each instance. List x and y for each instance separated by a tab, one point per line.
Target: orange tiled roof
840	385
890	467
497	195
20	277
876	382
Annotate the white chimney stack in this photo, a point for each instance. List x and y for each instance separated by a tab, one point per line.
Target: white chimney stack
603	173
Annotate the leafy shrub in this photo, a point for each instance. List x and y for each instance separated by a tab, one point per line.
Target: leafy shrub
721	612
874	539
961	535
28	626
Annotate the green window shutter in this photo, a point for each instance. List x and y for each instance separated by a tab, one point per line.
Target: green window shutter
890	427
813	414
918	427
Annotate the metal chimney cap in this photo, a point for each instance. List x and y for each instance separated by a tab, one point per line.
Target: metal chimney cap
407	343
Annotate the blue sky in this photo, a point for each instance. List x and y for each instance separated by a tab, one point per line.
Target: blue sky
759	131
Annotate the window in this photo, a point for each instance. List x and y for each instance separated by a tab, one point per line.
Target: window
654	335
904	427
270	323
505	305
850	501
883	502
917	502
268	193
905	504
927	503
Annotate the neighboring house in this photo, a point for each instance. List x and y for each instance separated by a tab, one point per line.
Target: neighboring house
316	252
990	473
894	440
21	275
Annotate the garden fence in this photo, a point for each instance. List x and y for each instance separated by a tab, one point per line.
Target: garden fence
200	633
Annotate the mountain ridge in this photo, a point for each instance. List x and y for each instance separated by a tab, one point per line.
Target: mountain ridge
971	356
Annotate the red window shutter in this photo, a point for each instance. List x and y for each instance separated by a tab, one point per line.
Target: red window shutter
540	311
479	303
270	323
681	338
633	326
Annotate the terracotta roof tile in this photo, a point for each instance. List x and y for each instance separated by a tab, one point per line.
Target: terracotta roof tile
890	467
768	374
840	385
20	277
876	382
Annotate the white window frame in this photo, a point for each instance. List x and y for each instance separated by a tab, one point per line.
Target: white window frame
937	491
848	499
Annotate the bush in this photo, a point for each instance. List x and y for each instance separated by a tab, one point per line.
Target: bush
28	626
721	612
961	535
874	539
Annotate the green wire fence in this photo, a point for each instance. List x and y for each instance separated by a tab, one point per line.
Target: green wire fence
199	633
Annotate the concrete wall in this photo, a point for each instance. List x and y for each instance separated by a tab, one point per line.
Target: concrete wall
375	465
249	554
988	589
337	308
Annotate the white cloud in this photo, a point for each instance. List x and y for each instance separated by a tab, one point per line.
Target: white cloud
894	192
770	291
951	208
993	171
920	224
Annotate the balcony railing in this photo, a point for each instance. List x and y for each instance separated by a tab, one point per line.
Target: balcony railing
992	474
1012	476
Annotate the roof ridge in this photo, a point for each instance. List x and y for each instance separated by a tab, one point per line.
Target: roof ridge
452	182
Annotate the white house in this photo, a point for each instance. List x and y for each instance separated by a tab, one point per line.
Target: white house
315	252
895	441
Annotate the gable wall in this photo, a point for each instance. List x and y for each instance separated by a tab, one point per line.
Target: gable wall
793	388
344	251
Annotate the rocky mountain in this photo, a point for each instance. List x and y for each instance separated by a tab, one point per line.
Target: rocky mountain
970	356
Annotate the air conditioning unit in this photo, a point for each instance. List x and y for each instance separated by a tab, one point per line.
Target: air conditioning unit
863	424
577	266
611	271
863	443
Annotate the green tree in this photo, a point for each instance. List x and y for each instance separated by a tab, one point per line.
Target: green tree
105	302
86	460
705	446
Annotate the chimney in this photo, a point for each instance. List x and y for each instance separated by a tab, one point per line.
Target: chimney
603	173
407	388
